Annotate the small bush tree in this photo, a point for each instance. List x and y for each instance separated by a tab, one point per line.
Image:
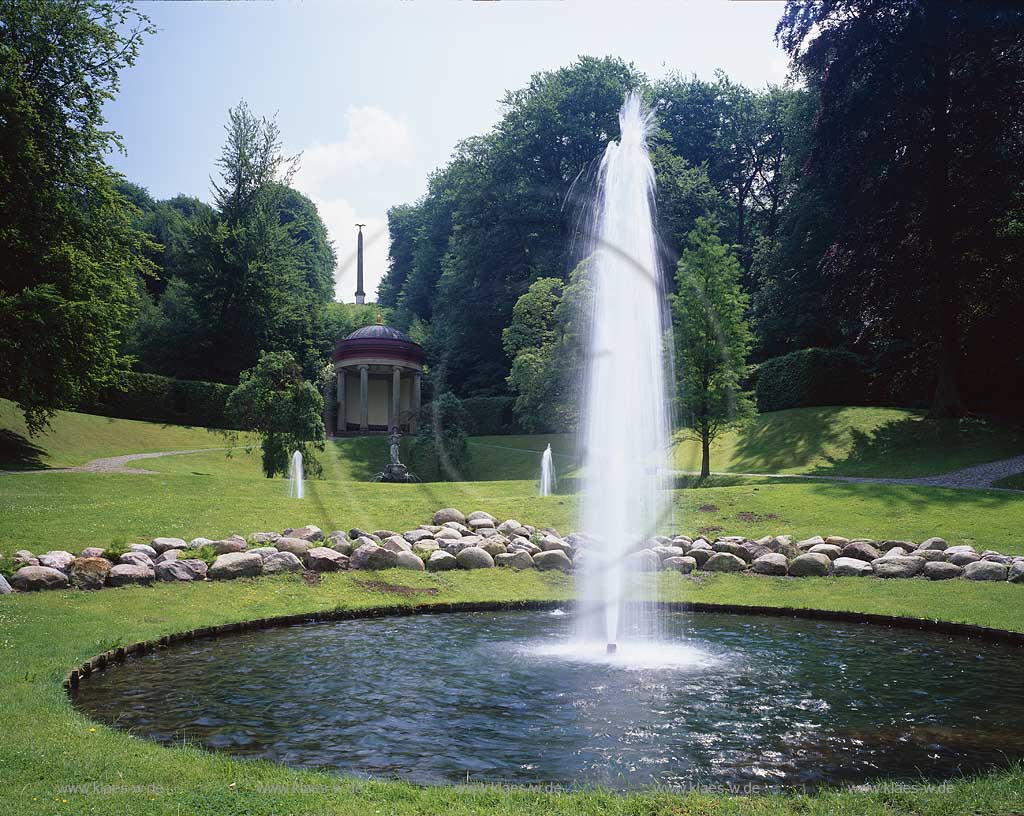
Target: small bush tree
440	450
286	411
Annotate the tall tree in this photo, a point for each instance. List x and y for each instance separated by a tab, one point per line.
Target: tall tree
918	138
69	252
712	339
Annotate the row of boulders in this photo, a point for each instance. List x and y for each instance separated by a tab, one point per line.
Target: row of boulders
833	556
478	541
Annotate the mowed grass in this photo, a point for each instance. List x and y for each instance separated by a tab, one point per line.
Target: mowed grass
48	745
74	439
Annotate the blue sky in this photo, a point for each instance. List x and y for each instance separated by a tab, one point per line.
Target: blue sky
375	93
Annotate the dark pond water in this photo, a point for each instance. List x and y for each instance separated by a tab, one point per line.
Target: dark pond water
726	700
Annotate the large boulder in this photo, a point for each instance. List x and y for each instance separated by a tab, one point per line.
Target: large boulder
228	545
808	543
508	528
32	578
771	563
447	534
23	558
409	561
138	559
641	561
340	544
478	524
701	556
168	555
265	538
324	559
833	551
298	547
262	552
519	559
423	549
449	514
308	533
162	545
412	536
934	543
985	571
679	563
844	567
441	561
229	566
185	569
57	559
89	573
553	542
278	562
494	546
553	560
398	544
668	551
930	555
372	557
862	550
898	566
524	544
1016	573
143	548
91	552
724	562
475	558
941	571
810	564
130	574
480	514
962	557
201	541
5	588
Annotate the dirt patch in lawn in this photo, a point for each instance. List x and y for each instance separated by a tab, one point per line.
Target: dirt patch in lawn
397	589
754	518
706	531
708	508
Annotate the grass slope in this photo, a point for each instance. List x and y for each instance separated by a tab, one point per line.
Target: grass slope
47	745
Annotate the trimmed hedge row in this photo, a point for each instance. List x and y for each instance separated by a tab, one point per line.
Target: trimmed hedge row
811	376
156	398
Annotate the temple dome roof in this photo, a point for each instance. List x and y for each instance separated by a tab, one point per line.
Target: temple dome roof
378	332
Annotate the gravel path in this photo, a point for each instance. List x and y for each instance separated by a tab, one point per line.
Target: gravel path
113	464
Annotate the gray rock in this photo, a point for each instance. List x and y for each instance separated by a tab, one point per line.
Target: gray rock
1016	573
771	563
645	560
962	557
723	562
1005	560
898	566
161	545
5	588
187	569
810	564
399	544
265	538
844	567
412	536
233	565
30	579
832	551
930	555
324	559
457	526
479	514
896	552
168	555
551	542
813	541
279	562
679	563
409	561
519	559
25	555
264	552
959	548
552	559
985	571
888	544
145	549
196	543
382	534
941	570
296	546
447	534
934	543
342	545
668	551
440	561
372	557
130	574
475	558
486	532
524	544
752	550
449	514
700	556
227	545
423	549
494	546
138	559
89	573
56	559
91	552
308	533
508	528
839	541
700	544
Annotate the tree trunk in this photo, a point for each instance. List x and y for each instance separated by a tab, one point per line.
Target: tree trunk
705	452
946	400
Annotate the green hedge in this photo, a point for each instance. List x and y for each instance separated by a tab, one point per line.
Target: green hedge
489	416
811	377
155	398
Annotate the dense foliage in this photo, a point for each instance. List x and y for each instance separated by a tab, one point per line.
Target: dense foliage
712	339
811	376
155	398
440	449
283	408
70	254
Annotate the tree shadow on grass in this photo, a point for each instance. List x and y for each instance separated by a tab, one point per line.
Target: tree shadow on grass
917	498
769	445
18	453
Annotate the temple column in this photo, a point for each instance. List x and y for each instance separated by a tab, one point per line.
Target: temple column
414	402
364	397
396	394
340	396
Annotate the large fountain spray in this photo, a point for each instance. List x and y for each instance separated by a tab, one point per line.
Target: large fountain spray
626	420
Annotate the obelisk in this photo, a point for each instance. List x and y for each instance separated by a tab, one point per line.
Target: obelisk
360	294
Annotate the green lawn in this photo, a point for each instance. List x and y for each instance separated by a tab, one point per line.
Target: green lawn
47	744
1014	482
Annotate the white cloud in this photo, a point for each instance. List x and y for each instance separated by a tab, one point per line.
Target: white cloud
336	175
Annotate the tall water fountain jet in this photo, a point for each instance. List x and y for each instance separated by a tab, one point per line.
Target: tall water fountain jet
625	429
296	489
547	473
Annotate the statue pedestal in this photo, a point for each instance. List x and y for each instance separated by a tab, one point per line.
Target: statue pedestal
397	472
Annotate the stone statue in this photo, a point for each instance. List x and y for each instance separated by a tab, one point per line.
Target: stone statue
394	437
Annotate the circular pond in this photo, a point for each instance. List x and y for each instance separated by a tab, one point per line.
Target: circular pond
724	702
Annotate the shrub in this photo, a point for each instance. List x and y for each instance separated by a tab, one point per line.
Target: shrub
156	398
811	377
440	450
489	416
